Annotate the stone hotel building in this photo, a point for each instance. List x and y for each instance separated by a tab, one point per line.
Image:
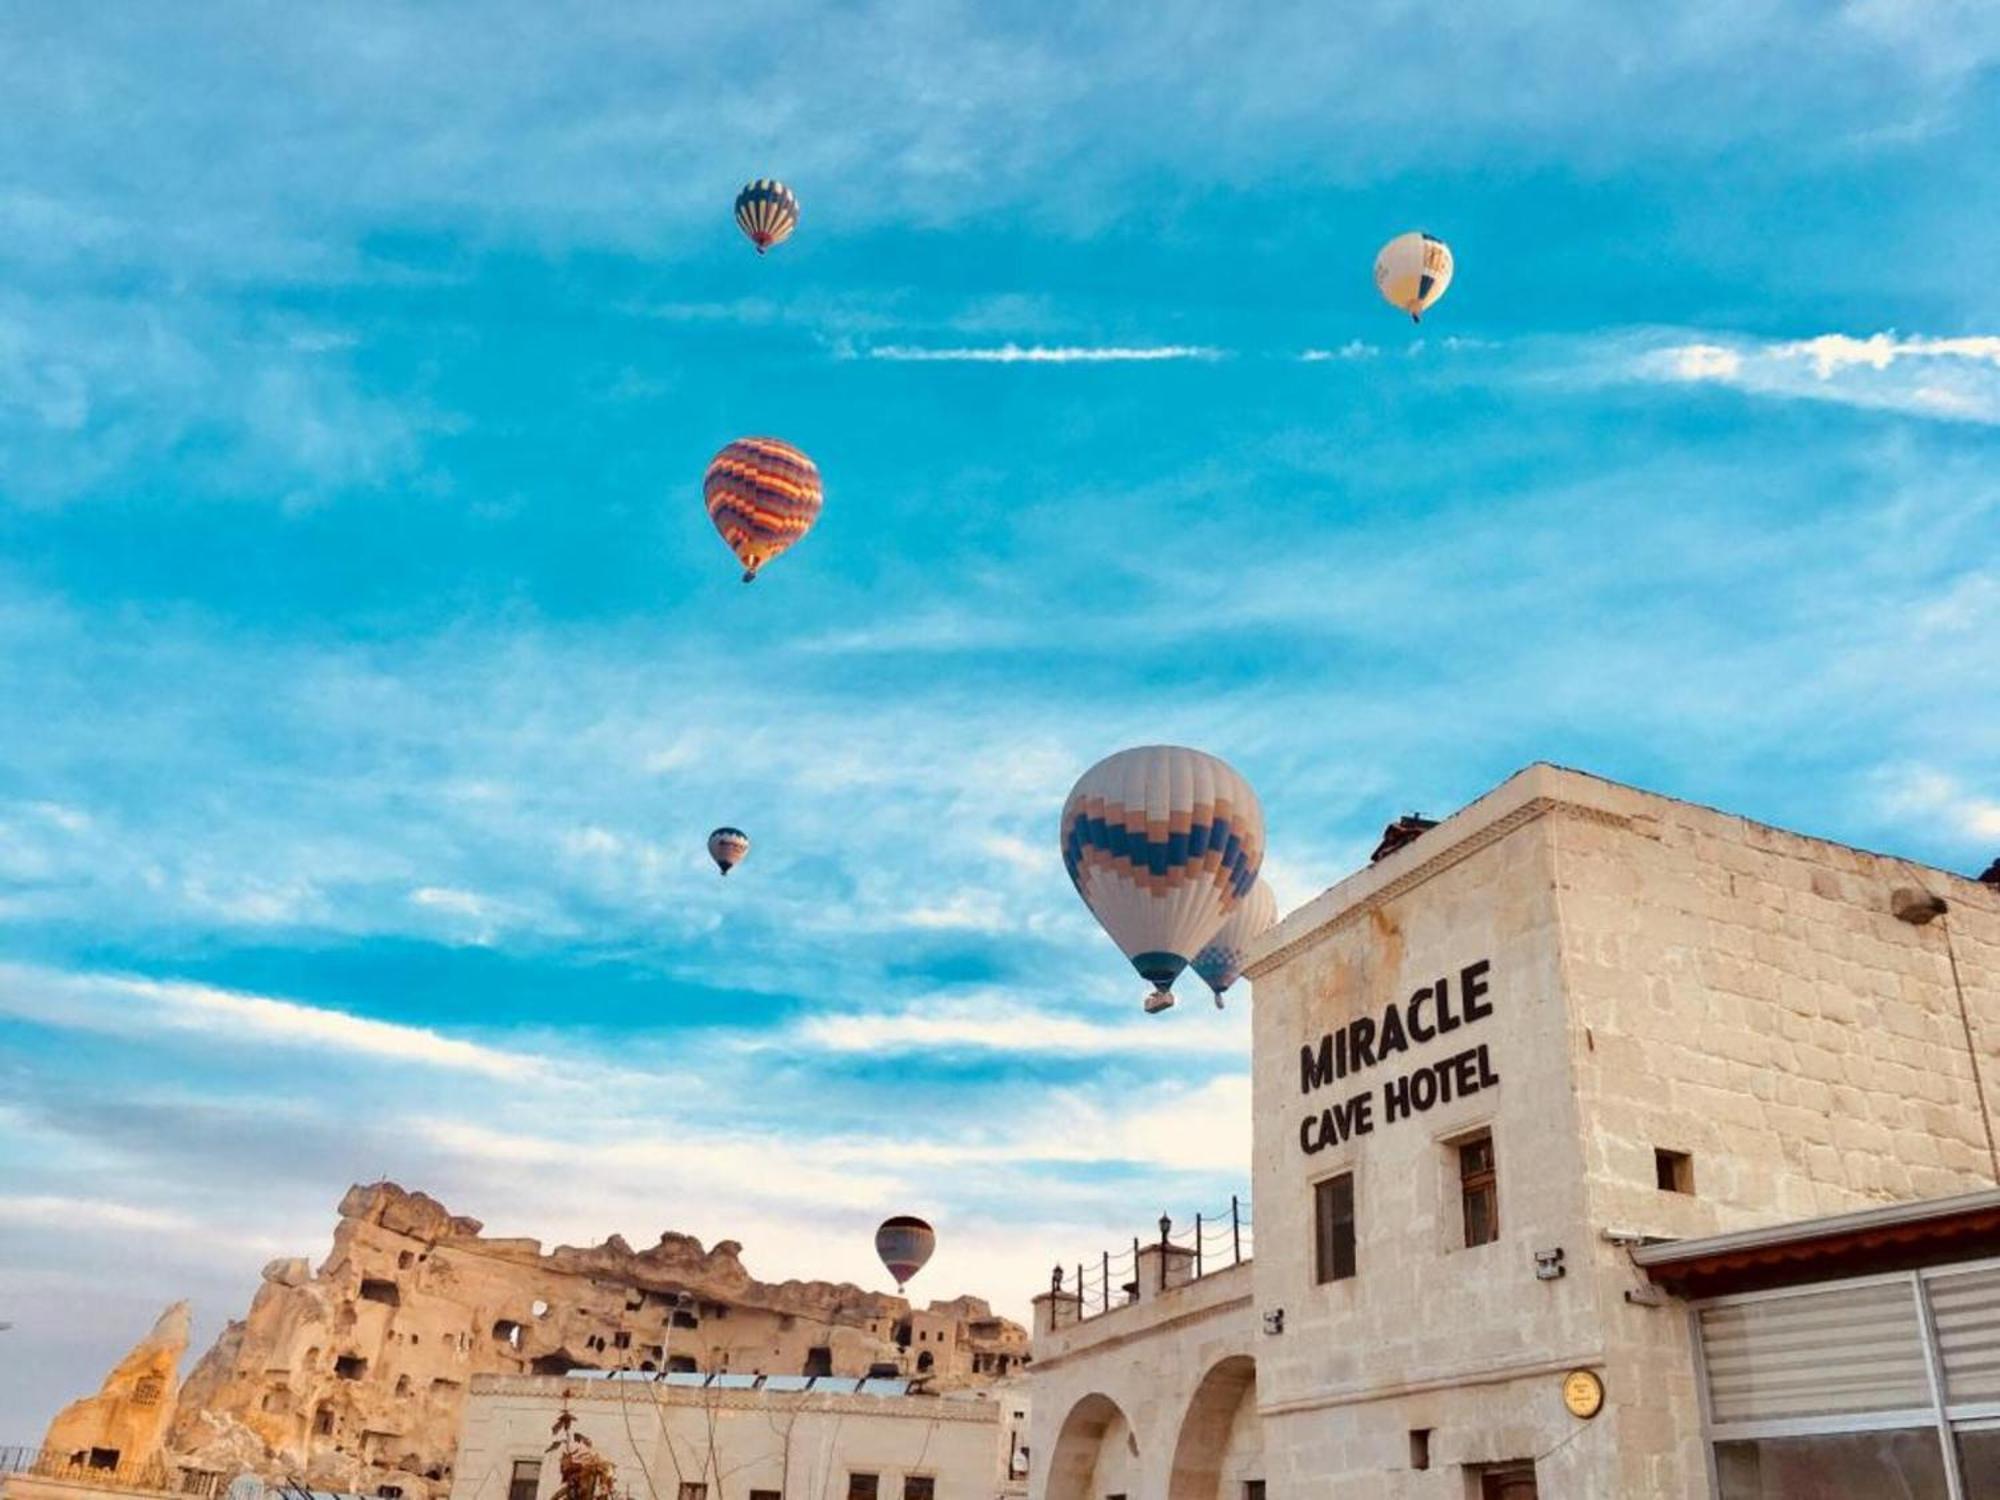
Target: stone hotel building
1606	1148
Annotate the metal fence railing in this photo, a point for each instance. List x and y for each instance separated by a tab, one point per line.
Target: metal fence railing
1213	1243
104	1467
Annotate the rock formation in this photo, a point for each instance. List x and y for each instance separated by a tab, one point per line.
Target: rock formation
352	1377
122	1426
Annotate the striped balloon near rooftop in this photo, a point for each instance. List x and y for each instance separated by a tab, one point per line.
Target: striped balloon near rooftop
1220	962
1162	843
762	495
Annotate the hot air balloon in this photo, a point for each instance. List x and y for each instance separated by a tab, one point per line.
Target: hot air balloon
1220	961
762	495
905	1243
1412	272
767	212
727	846
1163	844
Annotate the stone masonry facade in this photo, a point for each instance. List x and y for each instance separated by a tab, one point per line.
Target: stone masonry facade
1669	1021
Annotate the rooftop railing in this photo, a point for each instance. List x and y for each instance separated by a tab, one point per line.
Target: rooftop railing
1215	1242
102	1467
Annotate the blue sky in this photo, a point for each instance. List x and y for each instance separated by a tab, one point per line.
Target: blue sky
372	676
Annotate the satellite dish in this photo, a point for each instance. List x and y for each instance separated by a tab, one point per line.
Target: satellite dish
246	1487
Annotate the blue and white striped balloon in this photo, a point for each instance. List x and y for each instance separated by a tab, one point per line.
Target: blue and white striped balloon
1163	844
1220	962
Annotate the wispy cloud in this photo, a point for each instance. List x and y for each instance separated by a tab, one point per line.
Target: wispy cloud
1047	354
118	1005
1971	815
57	1212
1002	1024
1955	379
1352	349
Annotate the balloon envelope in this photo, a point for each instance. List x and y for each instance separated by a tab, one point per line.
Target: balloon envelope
767	211
1413	271
727	846
762	495
905	1243
1163	843
1220	961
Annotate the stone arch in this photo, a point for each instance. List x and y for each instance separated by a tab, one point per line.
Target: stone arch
1219	1432
1095	1452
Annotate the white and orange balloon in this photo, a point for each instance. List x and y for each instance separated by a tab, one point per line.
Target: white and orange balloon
1163	843
1413	271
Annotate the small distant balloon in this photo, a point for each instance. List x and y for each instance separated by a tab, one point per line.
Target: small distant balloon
1220	962
1413	271
767	212
727	846
905	1243
1163	844
762	495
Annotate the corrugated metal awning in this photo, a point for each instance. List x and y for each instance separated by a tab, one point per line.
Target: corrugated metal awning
1897	1237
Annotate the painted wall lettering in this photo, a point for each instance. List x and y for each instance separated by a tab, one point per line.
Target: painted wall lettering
1435	1010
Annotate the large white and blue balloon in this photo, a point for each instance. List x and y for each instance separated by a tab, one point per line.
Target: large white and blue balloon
1220	962
1163	844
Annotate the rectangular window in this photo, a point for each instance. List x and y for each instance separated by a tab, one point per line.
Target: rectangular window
765	1495
527	1479
1514	1481
863	1486
1769	1359
1479	1191
919	1487
1853	1465
690	1491
1253	1489
1333	1227
1673	1171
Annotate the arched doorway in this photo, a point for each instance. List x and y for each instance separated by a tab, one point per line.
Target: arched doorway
1220	1448
1096	1454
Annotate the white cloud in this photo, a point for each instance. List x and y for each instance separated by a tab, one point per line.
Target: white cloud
1352	349
54	1212
118	1005
443	898
1001	1022
1830	353
1957	379
1042	354
92	385
1924	792
1704	362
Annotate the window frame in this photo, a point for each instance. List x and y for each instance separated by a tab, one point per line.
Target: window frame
1467	1185
1673	1171
1946	1418
1323	1189
514	1478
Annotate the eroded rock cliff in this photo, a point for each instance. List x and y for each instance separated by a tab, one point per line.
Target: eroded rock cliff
352	1376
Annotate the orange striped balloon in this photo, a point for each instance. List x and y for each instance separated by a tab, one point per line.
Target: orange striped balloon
762	495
